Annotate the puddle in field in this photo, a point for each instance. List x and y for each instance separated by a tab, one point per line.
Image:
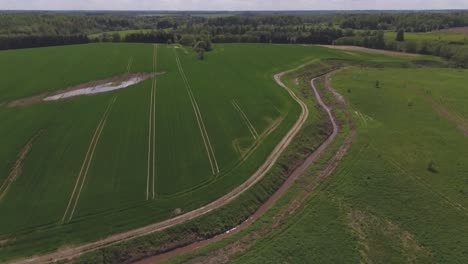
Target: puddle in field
100	88
89	88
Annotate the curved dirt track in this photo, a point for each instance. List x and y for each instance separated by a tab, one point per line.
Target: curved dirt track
311	159
75	251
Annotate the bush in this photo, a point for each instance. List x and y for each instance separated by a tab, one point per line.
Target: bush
187	40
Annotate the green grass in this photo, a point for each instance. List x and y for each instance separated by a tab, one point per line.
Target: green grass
113	198
431	36
382	204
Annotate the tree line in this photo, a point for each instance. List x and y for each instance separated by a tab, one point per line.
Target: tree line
457	53
22	42
84	24
42	29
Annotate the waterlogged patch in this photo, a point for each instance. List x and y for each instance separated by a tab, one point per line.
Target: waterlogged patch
102	88
89	88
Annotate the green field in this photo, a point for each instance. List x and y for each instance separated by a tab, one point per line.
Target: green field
71	190
122	33
431	36
386	203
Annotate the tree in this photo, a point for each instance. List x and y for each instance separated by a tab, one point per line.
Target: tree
187	40
400	35
116	37
201	54
200	47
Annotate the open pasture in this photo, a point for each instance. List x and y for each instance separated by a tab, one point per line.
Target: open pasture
400	195
445	36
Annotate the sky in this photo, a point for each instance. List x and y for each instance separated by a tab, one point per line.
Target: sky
230	4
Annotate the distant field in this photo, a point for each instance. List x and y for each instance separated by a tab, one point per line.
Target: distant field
401	194
463	30
94	163
122	33
436	35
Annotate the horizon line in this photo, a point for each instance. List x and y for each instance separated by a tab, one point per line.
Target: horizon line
233	10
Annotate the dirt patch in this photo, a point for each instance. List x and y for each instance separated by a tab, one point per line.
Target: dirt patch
114	80
337	95
17	167
4	242
367	50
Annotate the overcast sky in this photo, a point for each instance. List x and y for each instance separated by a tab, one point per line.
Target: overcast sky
230	4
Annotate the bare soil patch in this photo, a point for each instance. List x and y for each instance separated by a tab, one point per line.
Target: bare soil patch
367	50
115	80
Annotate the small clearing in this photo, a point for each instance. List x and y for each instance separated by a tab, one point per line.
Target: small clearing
89	88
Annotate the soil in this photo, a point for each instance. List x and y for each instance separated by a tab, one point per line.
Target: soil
116	79
75	251
362	49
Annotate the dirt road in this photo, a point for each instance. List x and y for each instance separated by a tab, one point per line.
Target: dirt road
311	159
71	252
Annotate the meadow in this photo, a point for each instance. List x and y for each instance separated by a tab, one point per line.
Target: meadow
400	194
97	165
431	36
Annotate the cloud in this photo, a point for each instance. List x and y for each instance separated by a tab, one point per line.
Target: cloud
230	4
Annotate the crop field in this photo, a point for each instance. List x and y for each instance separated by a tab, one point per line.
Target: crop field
400	195
86	167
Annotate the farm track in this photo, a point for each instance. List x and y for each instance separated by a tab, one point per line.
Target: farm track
247	122
75	196
17	167
222	255
151	175
199	117
71	252
129	64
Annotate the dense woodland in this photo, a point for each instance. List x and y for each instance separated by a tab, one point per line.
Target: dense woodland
23	30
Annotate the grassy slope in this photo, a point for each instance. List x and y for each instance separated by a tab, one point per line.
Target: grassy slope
113	198
382	205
